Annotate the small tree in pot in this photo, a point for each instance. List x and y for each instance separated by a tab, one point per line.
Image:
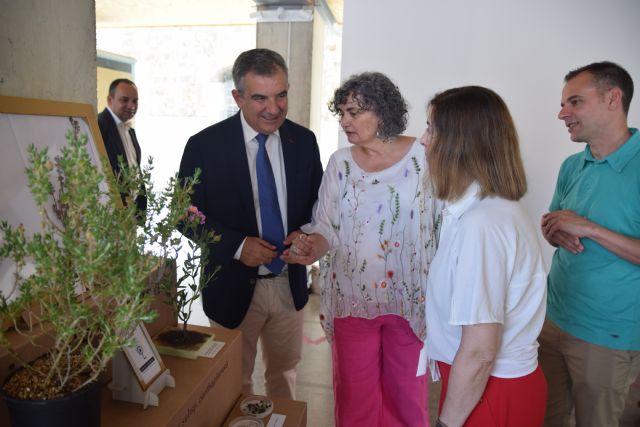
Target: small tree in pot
192	280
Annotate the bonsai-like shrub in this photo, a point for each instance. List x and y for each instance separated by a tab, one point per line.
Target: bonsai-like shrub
193	278
191	281
82	279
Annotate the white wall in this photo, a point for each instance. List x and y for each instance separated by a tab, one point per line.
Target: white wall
520	49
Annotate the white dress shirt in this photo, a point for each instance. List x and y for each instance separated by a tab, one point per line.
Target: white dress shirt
274	151
123	130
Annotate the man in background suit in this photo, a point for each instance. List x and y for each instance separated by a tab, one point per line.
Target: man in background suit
118	135
252	291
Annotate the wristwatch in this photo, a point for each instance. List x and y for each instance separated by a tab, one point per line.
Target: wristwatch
440	423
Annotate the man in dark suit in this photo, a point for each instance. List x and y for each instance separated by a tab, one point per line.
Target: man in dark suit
254	291
115	127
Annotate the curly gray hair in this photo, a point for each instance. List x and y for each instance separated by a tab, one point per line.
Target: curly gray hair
375	92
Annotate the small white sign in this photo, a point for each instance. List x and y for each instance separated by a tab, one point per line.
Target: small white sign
276	420
143	357
211	349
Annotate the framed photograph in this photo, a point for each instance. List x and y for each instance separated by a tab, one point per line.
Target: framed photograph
24	122
144	358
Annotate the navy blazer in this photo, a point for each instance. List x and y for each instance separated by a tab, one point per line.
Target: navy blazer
225	196
113	142
114	147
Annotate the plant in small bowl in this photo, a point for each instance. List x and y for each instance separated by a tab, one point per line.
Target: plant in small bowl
82	279
192	280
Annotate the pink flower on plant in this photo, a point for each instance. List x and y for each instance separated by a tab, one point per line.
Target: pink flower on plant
194	215
390	274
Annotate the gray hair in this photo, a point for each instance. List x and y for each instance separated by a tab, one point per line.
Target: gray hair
375	92
263	62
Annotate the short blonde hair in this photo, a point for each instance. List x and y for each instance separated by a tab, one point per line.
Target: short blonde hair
474	139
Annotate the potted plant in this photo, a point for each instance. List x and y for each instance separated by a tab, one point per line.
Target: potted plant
81	280
180	341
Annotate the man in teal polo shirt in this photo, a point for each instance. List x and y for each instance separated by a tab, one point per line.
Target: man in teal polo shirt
590	342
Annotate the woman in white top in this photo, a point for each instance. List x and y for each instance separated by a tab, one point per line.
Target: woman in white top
486	289
377	223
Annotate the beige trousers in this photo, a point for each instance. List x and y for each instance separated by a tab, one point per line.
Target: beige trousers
273	319
589	378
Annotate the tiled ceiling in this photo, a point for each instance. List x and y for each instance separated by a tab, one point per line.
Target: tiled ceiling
154	13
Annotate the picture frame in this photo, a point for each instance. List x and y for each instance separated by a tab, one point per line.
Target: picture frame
43	123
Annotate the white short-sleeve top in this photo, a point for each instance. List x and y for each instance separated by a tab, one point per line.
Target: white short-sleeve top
381	227
488	269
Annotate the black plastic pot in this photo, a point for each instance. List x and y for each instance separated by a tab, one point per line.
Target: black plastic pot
79	409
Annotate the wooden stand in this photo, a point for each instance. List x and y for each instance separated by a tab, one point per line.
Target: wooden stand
125	386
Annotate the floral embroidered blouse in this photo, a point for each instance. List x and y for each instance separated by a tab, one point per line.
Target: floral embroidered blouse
382	232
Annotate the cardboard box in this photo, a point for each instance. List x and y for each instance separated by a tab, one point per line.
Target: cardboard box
206	390
294	410
166	316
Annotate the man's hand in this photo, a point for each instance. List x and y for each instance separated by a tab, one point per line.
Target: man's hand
567	221
563	228
577	227
567	241
256	252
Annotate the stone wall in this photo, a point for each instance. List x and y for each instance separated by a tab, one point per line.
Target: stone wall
48	49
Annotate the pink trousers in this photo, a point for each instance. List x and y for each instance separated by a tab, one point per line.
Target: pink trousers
375	362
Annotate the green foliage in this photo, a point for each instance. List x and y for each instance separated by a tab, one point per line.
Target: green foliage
83	277
193	278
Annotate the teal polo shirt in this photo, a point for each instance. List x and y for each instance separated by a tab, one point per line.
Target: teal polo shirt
595	295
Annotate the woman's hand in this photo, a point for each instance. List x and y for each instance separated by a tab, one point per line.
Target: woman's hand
304	249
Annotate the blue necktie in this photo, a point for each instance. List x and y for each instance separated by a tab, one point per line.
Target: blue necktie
272	229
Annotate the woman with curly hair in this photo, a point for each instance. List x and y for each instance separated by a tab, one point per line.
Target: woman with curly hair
377	225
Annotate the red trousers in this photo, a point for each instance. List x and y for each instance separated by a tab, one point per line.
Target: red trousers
375	362
506	402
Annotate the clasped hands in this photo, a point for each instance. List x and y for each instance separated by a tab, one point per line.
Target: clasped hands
565	228
257	251
562	228
304	248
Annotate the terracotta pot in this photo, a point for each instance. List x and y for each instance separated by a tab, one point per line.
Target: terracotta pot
79	409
